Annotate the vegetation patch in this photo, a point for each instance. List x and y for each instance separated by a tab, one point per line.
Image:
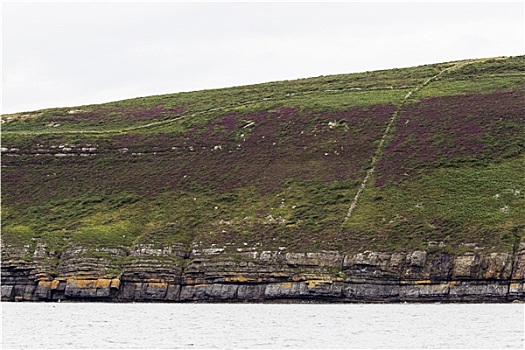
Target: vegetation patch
452	132
277	165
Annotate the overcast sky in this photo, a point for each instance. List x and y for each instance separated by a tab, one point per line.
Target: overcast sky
67	54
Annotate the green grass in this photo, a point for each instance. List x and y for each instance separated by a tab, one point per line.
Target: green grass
452	86
454	205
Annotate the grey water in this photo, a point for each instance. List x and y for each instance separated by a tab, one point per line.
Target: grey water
231	326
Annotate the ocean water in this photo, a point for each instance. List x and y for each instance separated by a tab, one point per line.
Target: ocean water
296	326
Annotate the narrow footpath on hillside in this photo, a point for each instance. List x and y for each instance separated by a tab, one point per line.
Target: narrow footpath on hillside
379	150
180	117
289	95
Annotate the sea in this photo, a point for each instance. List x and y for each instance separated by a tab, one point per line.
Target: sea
27	325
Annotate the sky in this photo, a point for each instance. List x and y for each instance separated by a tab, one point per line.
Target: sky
65	54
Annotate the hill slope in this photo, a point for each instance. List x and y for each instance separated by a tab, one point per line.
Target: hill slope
308	188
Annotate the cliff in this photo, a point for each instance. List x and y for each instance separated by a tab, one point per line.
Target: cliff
396	185
208	274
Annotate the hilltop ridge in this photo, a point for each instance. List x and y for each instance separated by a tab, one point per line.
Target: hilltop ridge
403	184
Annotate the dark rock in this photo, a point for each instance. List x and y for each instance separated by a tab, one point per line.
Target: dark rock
208	292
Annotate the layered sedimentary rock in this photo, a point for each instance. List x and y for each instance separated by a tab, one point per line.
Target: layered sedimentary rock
176	273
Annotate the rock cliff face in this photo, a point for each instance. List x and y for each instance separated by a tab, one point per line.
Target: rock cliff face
213	274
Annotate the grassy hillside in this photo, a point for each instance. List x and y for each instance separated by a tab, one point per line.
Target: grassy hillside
279	164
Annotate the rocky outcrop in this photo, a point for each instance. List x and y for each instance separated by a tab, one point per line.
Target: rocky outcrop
176	273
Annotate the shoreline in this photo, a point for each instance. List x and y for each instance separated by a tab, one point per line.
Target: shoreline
279	302
380	292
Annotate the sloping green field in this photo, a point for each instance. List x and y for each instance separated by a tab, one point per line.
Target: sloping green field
430	157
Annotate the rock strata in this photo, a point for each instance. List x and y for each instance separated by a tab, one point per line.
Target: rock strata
174	273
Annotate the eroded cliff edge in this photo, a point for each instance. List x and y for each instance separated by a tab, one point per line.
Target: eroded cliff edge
250	274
